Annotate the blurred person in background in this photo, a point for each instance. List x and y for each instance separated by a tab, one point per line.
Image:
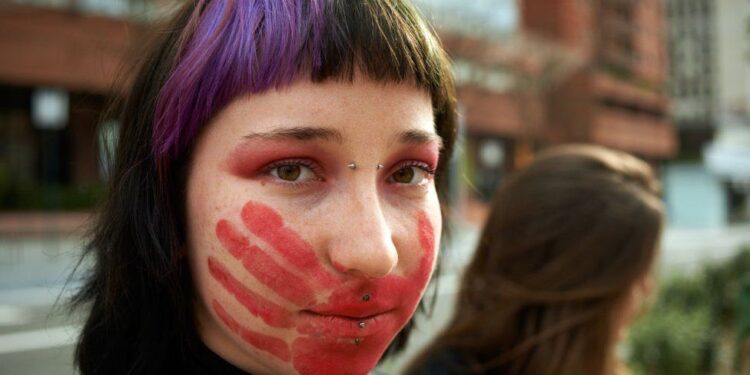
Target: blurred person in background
274	207
562	268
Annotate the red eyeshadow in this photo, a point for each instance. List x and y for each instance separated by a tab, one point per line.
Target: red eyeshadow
248	158
429	154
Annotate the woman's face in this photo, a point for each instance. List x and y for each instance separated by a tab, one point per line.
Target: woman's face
303	262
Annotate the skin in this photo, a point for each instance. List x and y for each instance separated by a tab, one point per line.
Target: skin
633	305
285	240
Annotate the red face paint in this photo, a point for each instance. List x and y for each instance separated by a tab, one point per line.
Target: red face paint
270	344
265	223
400	293
271	313
263	267
346	334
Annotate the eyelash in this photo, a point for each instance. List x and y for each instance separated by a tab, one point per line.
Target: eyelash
266	171
316	170
421	165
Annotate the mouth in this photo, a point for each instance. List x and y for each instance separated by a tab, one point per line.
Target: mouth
346	324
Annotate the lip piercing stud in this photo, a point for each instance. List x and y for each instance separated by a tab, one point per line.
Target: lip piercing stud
366	297
380	166
352	165
357	341
362	324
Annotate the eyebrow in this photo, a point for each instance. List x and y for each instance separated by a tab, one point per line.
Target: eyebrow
304	133
419	137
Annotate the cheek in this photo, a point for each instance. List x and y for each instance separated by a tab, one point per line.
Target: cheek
293	277
331	356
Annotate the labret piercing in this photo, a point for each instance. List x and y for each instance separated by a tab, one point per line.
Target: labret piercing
357	341
362	324
366	297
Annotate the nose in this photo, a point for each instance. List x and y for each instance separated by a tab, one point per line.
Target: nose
362	244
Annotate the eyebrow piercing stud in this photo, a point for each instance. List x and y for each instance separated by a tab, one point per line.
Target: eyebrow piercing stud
352	165
366	297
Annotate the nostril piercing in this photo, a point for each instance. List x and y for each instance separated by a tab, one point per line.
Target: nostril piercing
352	165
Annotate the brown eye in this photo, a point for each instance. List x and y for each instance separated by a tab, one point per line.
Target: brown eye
289	172
404	175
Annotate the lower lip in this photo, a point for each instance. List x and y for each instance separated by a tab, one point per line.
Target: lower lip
315	324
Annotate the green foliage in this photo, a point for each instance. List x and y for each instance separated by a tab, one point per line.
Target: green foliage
690	317
35	197
669	341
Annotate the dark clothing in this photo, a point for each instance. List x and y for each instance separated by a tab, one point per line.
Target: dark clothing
443	362
206	362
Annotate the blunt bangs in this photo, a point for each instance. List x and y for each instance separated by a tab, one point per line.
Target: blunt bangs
238	47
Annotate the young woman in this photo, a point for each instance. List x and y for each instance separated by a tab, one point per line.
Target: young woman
560	270
274	204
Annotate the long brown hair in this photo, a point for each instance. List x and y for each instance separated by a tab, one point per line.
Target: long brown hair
566	241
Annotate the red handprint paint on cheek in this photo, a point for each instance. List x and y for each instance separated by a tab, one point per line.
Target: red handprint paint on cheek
265	223
263	267
270	344
319	354
271	313
346	334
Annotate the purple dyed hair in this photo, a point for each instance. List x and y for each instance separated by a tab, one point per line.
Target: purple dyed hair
237	47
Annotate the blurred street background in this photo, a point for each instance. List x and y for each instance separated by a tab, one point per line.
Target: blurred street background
666	80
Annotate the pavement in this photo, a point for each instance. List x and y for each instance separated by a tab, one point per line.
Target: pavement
37	332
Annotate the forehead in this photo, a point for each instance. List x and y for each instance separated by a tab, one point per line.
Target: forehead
361	110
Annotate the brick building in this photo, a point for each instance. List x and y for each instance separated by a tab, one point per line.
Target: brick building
58	72
564	71
530	73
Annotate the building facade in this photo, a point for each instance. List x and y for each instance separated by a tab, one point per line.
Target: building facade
530	73
58	73
558	72
710	88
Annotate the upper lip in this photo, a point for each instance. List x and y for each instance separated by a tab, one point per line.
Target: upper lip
351	313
